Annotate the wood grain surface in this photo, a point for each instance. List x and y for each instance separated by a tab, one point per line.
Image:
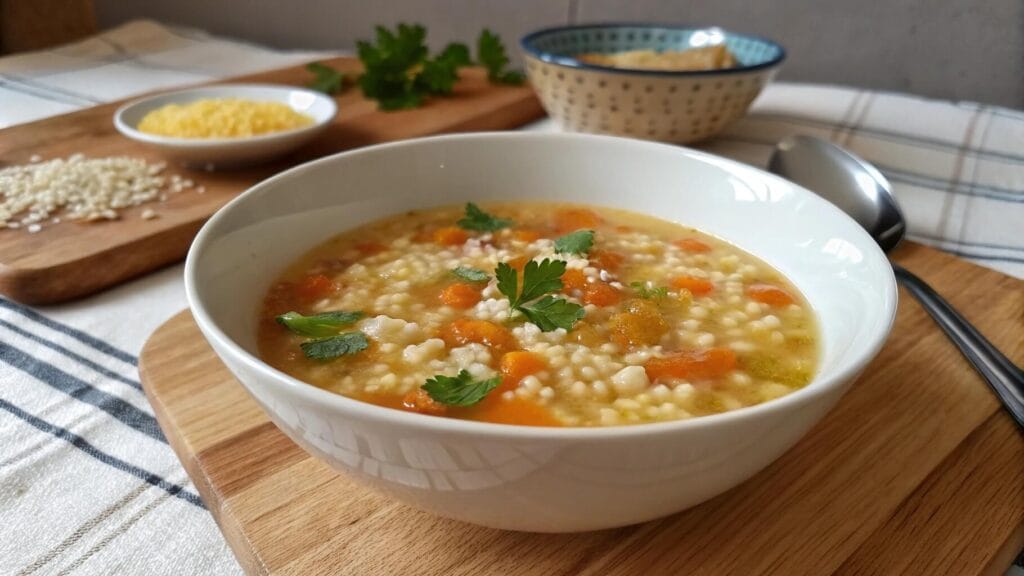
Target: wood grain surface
916	471
72	259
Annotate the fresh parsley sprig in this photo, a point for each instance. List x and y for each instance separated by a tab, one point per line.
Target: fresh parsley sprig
334	346
327	343
578	242
470	274
459	390
325	79
480	221
318	325
490	52
550	313
539	279
398	72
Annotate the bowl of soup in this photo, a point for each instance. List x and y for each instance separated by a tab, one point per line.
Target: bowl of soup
540	332
668	83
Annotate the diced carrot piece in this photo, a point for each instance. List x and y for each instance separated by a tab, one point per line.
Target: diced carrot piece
696	286
570	219
769	294
518	411
692	364
600	294
606	259
641	324
450	236
460	295
519	262
526	235
573	279
692	245
464	331
419	401
315	287
518	365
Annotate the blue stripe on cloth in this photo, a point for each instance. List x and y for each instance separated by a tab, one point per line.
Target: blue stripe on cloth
931	183
1015	195
81	390
75	333
76	357
108	459
40	94
988	257
933	143
29	83
1005	247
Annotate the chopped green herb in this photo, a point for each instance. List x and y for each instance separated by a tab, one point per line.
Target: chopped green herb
508	282
460	390
550	313
578	242
490	52
438	76
539	278
318	325
477	219
643	291
471	274
325	79
397	71
542	277
335	346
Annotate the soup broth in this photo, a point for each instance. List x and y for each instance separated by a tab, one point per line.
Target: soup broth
539	314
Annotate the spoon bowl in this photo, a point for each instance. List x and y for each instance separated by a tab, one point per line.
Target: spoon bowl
859	189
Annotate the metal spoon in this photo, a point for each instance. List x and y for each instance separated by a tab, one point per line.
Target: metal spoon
861	191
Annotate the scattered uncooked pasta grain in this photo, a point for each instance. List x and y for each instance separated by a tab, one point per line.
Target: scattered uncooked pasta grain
80	188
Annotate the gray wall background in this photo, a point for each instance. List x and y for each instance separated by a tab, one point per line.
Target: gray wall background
950	49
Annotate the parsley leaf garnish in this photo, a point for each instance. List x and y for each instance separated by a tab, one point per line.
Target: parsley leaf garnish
477	219
471	274
491	54
578	242
326	79
318	325
643	291
550	313
460	390
542	277
399	74
335	346
539	278
508	282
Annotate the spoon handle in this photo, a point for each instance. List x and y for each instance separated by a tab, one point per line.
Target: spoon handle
1006	379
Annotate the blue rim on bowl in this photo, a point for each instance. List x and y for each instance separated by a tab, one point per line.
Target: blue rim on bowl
639	36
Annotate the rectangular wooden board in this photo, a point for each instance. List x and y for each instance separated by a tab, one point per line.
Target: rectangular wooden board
916	471
73	259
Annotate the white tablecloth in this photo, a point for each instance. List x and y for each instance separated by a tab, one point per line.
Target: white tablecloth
88	485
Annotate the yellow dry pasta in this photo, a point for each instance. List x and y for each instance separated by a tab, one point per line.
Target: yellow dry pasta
222	118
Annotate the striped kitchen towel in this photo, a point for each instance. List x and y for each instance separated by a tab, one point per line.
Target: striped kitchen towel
88	484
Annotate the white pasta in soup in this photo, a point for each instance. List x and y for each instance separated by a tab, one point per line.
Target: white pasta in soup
540	314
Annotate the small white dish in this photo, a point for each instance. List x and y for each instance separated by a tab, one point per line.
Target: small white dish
229	152
521	477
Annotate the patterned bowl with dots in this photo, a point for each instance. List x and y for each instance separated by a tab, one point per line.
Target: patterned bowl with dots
669	106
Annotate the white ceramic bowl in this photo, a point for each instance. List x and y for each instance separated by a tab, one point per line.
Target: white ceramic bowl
229	152
524	478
